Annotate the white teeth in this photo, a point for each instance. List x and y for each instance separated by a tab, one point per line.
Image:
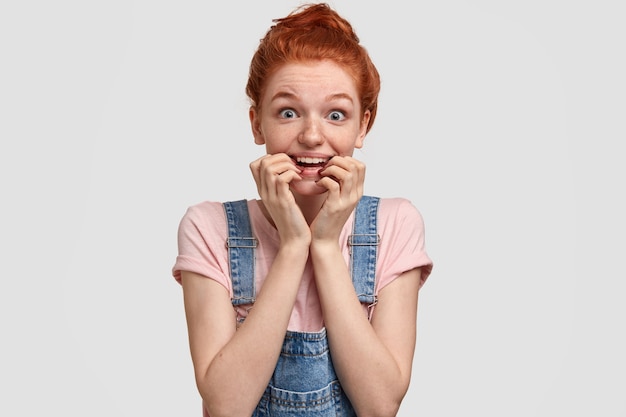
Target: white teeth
307	160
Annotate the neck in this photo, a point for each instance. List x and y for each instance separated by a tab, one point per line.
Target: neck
310	205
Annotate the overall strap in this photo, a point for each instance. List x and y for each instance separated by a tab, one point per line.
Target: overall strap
241	244
363	243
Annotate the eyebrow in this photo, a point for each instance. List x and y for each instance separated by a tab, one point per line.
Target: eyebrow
339	96
283	94
331	97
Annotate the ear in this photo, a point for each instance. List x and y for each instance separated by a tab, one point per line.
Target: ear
363	129
255	124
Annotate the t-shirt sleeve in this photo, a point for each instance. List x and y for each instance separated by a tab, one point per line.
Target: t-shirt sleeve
202	243
402	246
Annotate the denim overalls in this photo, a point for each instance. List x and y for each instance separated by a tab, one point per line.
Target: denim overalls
304	382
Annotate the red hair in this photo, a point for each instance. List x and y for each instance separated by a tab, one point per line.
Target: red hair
311	33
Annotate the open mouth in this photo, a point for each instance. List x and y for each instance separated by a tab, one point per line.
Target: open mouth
310	162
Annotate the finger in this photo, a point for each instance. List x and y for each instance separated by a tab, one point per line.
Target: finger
331	184
255	168
269	166
349	176
276	188
342	176
347	163
276	164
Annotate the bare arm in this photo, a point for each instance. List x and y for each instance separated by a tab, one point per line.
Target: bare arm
373	360
226	362
229	362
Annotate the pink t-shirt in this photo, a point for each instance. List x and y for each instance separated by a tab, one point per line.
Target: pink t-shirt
202	249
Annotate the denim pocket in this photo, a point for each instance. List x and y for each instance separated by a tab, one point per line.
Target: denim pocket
326	402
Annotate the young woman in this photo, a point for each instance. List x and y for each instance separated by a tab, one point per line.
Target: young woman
303	302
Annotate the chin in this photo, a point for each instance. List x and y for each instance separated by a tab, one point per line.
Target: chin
305	188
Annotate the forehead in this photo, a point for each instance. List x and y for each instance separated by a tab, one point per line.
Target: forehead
311	78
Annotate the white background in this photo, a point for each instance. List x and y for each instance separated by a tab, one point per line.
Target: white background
503	122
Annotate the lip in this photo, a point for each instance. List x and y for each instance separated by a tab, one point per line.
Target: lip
311	172
324	158
310	155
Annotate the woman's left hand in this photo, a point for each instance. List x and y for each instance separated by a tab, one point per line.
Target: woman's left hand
343	177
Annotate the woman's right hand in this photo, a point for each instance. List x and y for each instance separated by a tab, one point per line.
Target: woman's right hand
273	174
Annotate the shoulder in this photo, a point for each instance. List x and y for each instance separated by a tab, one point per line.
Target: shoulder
402	245
205	220
398	209
398	217
206	212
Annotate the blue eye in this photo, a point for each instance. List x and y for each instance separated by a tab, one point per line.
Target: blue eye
336	116
287	114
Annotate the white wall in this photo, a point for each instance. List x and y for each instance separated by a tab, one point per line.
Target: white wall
502	121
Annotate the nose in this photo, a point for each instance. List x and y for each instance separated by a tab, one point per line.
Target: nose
311	134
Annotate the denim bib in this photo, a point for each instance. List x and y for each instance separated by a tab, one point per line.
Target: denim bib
304	380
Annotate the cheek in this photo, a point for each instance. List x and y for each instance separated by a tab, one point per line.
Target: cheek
276	140
347	145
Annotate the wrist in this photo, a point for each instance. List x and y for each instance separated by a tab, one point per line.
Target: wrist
324	247
294	247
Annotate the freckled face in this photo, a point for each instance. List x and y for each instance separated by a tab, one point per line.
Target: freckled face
311	112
